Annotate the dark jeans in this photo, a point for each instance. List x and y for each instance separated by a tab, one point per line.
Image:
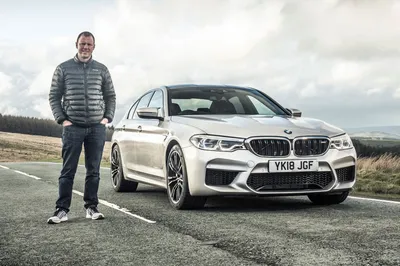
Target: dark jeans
93	139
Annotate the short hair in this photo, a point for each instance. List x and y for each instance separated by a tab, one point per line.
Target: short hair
86	34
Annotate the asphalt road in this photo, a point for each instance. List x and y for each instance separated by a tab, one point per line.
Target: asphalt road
142	229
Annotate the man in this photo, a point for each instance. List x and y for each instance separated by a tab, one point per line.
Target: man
82	99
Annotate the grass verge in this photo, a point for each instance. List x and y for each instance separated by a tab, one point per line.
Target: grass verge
378	177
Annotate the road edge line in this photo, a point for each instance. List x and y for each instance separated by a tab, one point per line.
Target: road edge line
377	200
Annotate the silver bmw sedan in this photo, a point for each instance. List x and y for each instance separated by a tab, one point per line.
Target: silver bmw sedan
198	141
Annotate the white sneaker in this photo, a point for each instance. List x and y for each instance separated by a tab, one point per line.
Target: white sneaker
93	213
59	216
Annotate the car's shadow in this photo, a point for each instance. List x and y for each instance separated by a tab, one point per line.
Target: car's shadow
246	203
271	203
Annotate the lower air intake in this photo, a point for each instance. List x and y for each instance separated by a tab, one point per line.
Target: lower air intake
219	177
289	181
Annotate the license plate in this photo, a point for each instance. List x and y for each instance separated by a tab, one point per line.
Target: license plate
293	166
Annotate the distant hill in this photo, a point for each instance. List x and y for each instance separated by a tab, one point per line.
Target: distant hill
395	130
390	133
374	135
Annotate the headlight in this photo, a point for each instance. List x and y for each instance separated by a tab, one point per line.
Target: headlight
342	142
217	143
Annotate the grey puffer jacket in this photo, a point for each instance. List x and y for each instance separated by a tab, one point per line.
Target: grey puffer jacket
82	93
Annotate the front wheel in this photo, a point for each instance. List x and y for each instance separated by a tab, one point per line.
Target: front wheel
328	199
118	181
177	182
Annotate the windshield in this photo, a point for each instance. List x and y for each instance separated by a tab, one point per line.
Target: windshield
200	101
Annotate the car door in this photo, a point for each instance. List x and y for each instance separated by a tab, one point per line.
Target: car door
150	148
126	137
132	129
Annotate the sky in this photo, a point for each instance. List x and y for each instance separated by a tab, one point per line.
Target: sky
334	60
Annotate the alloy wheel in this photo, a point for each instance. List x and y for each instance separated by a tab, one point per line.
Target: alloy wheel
115	167
175	176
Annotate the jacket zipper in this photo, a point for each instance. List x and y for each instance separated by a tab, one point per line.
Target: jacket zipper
86	92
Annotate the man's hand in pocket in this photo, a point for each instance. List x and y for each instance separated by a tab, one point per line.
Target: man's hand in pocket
104	121
66	123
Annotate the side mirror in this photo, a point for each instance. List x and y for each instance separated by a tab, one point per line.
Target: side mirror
151	112
294	112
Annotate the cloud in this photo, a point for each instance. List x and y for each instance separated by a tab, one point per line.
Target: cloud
375	91
7	108
396	94
5	84
347	72
42	106
347	29
309	91
133	80
41	83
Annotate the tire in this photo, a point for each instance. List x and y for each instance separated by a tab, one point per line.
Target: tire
328	199
118	181
177	182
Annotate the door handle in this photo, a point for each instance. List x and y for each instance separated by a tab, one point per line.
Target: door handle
123	127
139	128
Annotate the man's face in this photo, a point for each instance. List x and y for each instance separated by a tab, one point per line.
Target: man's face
85	46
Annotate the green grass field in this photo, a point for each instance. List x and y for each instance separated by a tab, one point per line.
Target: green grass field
379	176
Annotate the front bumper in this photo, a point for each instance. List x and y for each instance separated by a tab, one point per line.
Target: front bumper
244	173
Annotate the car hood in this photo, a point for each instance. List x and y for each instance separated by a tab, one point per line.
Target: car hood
245	126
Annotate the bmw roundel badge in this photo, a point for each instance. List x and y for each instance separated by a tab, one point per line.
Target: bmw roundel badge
287	131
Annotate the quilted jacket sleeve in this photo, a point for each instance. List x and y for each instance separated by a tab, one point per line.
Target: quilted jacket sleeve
56	94
108	96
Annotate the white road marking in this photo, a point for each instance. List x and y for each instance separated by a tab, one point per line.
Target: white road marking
32	176
106	203
377	200
126	211
118	208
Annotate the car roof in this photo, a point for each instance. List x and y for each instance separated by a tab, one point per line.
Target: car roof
213	86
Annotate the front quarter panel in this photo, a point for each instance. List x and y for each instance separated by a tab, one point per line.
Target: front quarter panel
178	134
182	133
